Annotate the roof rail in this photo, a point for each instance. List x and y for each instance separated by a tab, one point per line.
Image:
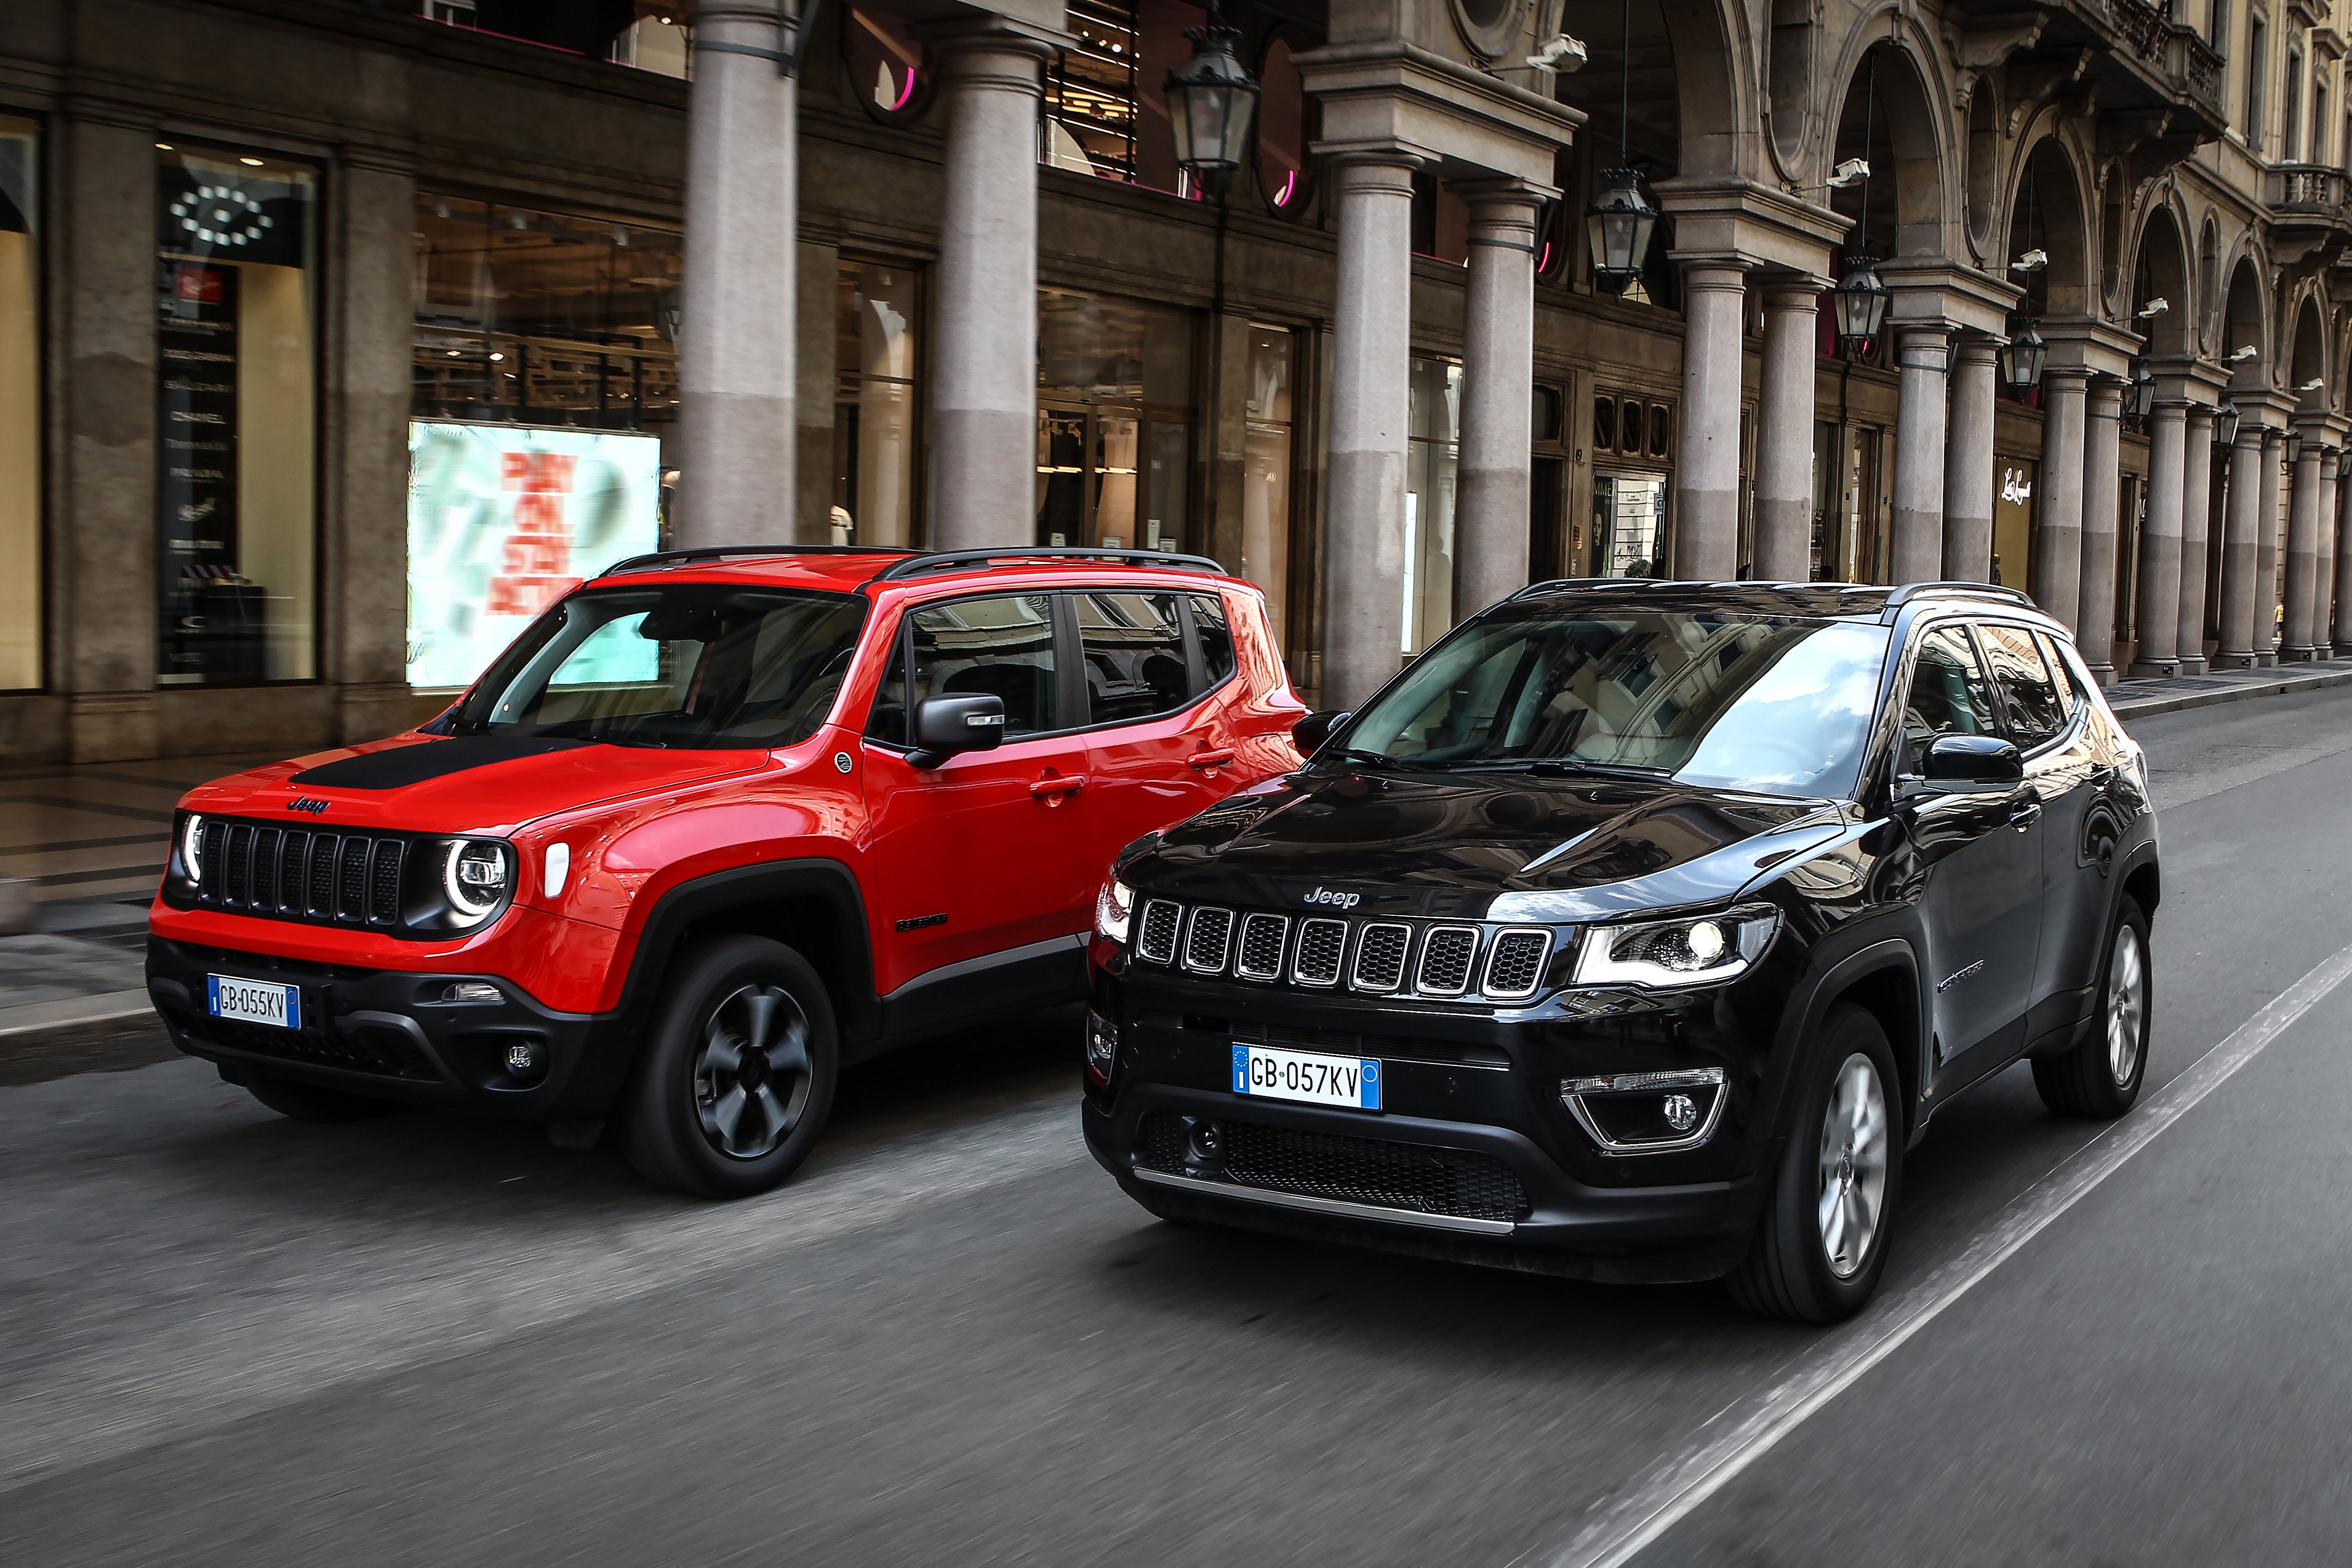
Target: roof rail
1910	590
724	552
947	560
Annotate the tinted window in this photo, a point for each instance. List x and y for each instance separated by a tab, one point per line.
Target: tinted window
1216	638
1949	694
2028	694
1001	646
1134	648
690	665
1768	703
2068	695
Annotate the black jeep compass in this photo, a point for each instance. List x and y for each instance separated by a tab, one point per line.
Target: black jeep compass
1633	932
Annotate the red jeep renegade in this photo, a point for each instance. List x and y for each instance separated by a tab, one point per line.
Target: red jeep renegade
716	823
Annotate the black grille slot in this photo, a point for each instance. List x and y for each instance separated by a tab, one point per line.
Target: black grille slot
1372	1171
293	860
1515	967
237	868
1208	941
386	1052
1263	940
1445	959
1156	942
264	868
383	884
324	848
210	842
1321	945
1379	957
351	882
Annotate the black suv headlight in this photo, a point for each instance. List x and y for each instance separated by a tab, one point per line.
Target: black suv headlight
478	879
1666	953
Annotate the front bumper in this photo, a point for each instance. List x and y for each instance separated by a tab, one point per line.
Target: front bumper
387	1034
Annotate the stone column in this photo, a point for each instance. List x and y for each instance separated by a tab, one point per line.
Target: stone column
1490	526
2195	503
2343	625
2057	568
1918	544
2094	621
1784	433
736	330
2241	533
2159	545
2323	575
1967	466
1707	477
984	367
2266	550
2302	557
1371	349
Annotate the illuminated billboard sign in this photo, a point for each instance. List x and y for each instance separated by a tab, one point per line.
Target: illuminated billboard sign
503	520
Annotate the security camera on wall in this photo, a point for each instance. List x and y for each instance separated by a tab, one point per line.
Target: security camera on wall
1852	171
1560	55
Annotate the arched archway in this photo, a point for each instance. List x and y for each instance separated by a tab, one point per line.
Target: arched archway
2161	272
2307	366
2047	213
1681	97
2246	325
1888	120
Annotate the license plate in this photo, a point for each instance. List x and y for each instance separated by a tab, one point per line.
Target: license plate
1351	1081
253	1002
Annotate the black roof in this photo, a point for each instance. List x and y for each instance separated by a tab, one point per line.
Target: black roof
1872	600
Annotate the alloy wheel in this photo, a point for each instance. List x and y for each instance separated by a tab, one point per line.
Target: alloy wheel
1852	1166
751	1077
2127	1006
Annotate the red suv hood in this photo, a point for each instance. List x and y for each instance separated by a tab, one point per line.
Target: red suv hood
461	785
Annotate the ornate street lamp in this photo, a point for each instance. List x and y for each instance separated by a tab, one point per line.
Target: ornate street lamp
2294	447
1861	300
1211	101
2140	399
2021	359
1618	228
2225	422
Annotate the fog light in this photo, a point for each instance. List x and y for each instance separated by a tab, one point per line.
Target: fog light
1682	1115
1102	1045
526	1059
1647	1112
471	991
1204	1146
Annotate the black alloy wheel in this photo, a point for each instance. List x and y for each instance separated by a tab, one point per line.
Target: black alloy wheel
1821	1243
736	1079
2099	1076
310	1102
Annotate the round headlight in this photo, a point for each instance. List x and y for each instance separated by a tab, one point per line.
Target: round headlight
476	874
192	840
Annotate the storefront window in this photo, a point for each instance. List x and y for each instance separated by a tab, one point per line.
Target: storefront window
545	395
1266	471
2012	518
1629	524
1106	104
1434	426
1114	422
874	402
236	395
20	406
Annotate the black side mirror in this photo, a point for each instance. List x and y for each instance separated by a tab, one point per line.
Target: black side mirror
1310	733
946	725
1972	764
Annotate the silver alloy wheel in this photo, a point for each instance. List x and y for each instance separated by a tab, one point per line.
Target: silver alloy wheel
2126	1005
751	1077
1852	1166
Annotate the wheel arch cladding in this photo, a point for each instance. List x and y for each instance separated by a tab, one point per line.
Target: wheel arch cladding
812	906
1890	993
2145	884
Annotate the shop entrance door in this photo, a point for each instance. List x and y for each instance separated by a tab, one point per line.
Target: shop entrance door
1108	477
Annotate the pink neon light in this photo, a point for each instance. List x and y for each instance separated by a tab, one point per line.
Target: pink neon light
1544	260
1289	189
905	95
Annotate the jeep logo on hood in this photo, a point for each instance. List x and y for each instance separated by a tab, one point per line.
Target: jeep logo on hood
1337	900
307	804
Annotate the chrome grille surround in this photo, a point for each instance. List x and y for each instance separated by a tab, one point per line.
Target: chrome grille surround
1264	940
1155	939
1381	947
1322	945
1449	956
1515	964
1208	939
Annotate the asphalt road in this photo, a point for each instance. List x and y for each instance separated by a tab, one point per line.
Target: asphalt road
228	1339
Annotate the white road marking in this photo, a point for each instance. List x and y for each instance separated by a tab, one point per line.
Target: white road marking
1749	1428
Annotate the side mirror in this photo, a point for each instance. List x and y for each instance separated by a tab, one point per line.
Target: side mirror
1972	764
1310	733
946	725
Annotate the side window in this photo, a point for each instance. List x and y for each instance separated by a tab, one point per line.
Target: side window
888	722
1215	638
1949	694
2029	693
1001	646
1133	645
2070	696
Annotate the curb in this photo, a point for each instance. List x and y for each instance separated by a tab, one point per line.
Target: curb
105	1008
2278	685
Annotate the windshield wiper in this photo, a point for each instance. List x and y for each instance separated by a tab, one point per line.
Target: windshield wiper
1379	760
1584	765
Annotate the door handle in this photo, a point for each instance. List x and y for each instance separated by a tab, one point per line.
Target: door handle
2025	815
1053	789
1211	758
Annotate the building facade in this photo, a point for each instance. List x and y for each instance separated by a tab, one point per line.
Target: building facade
337	338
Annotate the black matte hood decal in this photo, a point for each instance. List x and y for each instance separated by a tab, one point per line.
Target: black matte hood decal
397	767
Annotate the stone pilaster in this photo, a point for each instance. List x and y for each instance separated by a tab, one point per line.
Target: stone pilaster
2240	535
2196	507
2094	621
1784	432
1968	465
2058	537
2158	627
1706	477
1490	526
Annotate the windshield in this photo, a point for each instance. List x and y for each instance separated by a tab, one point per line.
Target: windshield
690	665
1776	704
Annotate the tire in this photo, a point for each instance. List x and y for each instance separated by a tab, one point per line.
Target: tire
708	1114
310	1102
1810	1261
2099	1076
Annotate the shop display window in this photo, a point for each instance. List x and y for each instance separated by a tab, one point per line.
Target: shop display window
875	401
1106	102
236	416
1434	431
20	405
1266	471
1114	422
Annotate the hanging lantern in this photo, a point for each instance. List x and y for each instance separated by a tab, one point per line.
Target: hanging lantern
1619	225
2225	422
1211	100
1861	302
2139	398
2294	447
2021	359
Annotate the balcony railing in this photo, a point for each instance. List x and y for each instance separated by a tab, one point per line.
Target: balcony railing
2144	28
2308	191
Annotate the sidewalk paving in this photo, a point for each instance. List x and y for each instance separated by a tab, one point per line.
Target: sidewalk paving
92	840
